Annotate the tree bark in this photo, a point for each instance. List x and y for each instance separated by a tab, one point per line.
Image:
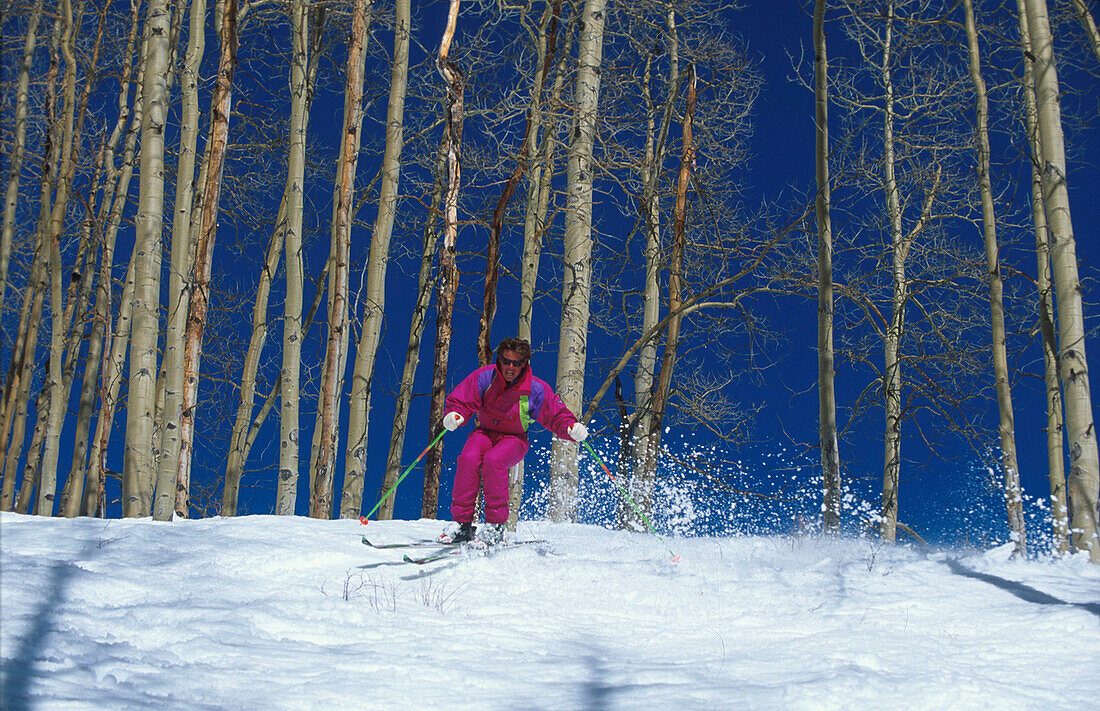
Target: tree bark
302	69
106	228
416	335
891	377
662	388
448	270
642	477
1055	430
234	467
221	105
139	465
577	256
116	341
826	368
21	369
355	461
1089	25
20	373
57	398
321	475
17	150
179	281
540	175
545	45
1009	466
1084	477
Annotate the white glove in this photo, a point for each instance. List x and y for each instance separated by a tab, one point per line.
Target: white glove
452	421
578	432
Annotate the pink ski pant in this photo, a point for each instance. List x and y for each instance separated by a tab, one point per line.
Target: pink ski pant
486	458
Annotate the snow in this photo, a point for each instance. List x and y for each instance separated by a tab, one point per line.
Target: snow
264	612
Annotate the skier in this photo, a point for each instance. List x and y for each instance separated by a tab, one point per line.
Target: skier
506	397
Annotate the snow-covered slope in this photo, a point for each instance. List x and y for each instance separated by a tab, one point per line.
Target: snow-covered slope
289	613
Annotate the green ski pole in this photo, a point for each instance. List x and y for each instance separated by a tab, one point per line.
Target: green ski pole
675	557
366	519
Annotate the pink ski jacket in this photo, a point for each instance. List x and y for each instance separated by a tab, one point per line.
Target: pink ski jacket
509	408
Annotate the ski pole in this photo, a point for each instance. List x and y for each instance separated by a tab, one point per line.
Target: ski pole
366	519
637	510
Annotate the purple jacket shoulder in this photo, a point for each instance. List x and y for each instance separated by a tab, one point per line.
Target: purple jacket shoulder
510	407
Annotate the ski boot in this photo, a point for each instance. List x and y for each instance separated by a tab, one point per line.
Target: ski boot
491	534
457	533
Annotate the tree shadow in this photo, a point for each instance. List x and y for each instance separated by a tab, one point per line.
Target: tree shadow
20	670
1020	590
596	692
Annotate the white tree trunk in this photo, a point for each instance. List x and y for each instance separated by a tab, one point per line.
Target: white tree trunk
412	352
290	373
355	462
540	171
644	473
17	150
139	465
891	378
1089	25
57	398
235	459
455	112
101	318
221	106
1084	477
115	342
1010	468
179	284
577	256
1059	505
328	415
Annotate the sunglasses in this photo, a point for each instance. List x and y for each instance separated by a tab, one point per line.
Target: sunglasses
517	363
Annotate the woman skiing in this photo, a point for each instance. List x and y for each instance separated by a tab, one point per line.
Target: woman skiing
506	397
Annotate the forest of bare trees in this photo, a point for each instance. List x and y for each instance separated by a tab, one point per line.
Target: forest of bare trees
219	219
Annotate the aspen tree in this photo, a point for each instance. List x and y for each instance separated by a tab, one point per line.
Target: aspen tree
327	428
179	282
662	387
1084	476
303	74
199	297
826	368
69	303
21	371
139	463
540	170
17	150
637	433
1081	10
448	271
303	65
544	56
117	340
234	467
355	464
1009	465
1055	429
577	255
412	351
107	229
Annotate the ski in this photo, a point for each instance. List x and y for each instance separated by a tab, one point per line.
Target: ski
462	549
425	543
